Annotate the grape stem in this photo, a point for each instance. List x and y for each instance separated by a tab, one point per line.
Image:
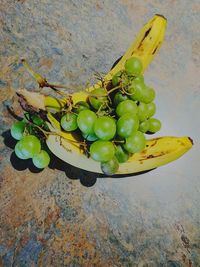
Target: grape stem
118	141
46	134
113	89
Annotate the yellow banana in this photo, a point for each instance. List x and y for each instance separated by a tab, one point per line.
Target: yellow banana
53	104
158	152
145	47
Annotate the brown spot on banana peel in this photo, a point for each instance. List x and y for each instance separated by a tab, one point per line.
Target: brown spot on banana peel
29	108
145	35
162	153
151	156
154	143
34	99
154	51
140	46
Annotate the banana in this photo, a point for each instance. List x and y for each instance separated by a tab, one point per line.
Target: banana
145	47
53	104
159	151
43	102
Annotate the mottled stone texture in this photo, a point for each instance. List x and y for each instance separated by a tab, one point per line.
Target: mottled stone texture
53	217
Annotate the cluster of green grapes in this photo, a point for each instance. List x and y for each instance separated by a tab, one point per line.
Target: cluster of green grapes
114	122
29	143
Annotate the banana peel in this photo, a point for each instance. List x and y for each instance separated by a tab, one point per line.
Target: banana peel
145	47
158	151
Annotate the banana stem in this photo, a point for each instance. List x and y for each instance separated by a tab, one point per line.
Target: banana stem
58	86
41	80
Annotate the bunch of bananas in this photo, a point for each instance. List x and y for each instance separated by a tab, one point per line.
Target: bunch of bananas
158	151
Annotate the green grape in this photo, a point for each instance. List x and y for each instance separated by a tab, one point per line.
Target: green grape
37	120
102	150
29	146
17	130
116	78
142	93
136	90
154	125
86	120
126	106
119	97
98	98
41	160
110	167
139	78
149	95
144	126
151	109
121	155
127	124
18	151
135	143
131	89
133	66
90	137
69	122
105	128
142	111
81	105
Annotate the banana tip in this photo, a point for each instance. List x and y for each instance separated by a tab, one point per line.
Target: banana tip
161	16
191	140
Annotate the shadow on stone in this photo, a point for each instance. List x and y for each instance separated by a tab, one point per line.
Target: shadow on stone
21	165
86	178
126	175
9	141
34	169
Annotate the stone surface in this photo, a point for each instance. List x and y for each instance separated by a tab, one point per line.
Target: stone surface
66	217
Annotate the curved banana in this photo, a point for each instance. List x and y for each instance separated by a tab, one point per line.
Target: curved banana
145	47
159	151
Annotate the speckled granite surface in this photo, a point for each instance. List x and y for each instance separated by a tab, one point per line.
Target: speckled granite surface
63	216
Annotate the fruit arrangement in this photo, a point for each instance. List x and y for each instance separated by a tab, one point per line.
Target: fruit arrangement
103	128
